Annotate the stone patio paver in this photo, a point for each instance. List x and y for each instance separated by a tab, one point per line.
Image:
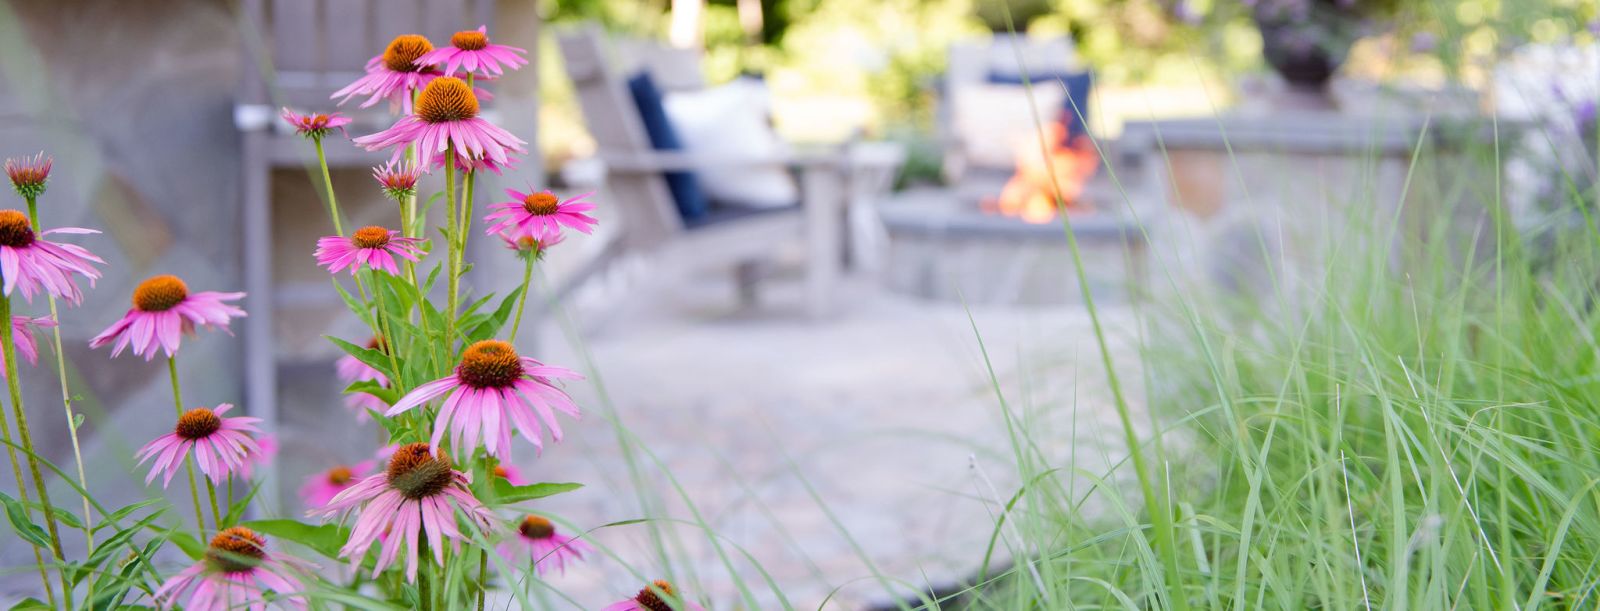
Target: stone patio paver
881	411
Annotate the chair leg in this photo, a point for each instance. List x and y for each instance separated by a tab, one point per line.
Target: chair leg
823	193
260	357
746	280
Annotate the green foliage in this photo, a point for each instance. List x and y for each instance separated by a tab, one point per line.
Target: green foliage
17	514
1414	427
507	494
325	539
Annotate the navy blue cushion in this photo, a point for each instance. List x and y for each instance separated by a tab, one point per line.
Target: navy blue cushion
685	187
1078	85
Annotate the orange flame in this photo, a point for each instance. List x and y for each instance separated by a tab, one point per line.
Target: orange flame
1031	192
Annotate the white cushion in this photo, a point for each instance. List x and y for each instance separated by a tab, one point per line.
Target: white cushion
1041	56
730	122
993	121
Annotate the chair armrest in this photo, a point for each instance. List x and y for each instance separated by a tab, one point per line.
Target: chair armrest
652	162
253	117
877	155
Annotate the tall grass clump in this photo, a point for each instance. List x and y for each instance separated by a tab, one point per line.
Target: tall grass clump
1407	421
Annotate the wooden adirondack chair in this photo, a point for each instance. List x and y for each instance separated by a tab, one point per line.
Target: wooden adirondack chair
831	179
305	50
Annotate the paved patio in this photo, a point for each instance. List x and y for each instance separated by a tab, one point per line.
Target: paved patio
823	449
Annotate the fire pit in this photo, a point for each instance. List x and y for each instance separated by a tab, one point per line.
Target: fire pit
953	244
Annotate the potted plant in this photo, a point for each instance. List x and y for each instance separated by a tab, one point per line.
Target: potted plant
993	14
1305	41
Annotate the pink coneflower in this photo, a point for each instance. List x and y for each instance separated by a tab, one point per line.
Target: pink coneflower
493	391
322	487
472	50
658	596
511	474
163	311
394	74
398	178
28	176
476	164
267	450
417	494
535	214
236	573
30	262
387	452
351	370
22	336
371	247
315	126
220	445
531	246
447	115
538	541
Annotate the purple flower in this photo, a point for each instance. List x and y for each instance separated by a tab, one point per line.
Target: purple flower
492	392
416	496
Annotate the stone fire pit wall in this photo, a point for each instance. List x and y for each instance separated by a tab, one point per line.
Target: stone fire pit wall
1254	200
942	246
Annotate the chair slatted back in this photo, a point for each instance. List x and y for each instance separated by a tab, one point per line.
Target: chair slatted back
311	48
650	217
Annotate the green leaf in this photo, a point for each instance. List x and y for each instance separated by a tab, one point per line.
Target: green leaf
506	493
106	548
472	309
427	285
378	360
325	539
18	515
497	320
355	306
357	601
123	513
30	603
399	432
187	543
372	387
66	517
111	589
237	510
77	421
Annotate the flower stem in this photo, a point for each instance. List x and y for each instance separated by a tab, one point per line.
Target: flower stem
433	357
382	329
488	478
8	344
453	272
327	182
416	160
16	465
66	395
483	576
522	300
216	516
424	581
188	465
465	223
466	212
66	404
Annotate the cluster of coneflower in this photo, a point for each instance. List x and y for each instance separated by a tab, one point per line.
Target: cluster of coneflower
450	391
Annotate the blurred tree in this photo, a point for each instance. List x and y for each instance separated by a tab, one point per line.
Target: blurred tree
1021	13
